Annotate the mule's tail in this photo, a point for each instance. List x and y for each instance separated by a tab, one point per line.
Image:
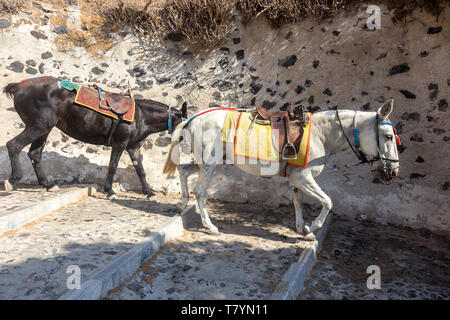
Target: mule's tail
10	89
173	157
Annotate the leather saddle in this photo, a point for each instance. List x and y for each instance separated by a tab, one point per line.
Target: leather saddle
115	102
287	125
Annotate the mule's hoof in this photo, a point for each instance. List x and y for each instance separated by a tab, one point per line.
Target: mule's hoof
150	194
310	237
55	188
213	230
181	206
112	197
306	229
8	186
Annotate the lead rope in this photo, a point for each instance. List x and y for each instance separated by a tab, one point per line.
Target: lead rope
361	158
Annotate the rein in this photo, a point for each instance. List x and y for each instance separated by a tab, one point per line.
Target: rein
359	154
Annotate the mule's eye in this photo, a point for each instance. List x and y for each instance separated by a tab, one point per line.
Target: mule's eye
389	137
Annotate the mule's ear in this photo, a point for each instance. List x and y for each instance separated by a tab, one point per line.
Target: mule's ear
385	110
184	109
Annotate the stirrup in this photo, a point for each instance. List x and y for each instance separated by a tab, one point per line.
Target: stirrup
292	157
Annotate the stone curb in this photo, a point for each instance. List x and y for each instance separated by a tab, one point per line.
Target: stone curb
112	275
17	218
293	280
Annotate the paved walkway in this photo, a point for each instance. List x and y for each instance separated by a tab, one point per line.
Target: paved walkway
413	264
246	260
34	259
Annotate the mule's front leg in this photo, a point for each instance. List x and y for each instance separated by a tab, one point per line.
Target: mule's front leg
297	199
304	181
136	158
204	177
116	153
313	189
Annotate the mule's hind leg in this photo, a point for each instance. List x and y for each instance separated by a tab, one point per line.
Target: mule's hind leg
204	177
14	147
184	171
35	155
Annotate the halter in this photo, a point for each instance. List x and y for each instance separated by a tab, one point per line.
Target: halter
397	139
169	120
356	148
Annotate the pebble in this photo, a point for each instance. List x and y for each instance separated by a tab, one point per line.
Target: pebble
4	23
16	66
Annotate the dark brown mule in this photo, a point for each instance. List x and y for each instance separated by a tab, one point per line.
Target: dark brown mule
42	105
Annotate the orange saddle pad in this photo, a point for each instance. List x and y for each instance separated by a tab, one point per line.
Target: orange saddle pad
90	98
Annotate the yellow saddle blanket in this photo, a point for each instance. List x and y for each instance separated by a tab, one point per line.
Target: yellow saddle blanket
255	141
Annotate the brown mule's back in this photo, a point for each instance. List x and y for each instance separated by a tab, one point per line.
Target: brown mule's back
112	104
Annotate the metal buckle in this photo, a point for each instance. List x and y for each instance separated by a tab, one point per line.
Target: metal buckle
251	126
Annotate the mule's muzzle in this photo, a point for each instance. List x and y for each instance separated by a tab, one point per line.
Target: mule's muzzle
386	175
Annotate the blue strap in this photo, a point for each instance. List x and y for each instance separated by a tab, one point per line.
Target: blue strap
169	122
190	119
100	93
355	130
384	122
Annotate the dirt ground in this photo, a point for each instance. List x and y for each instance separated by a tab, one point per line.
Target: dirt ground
413	264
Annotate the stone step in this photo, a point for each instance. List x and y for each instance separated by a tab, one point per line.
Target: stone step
29	203
247	260
34	259
27	195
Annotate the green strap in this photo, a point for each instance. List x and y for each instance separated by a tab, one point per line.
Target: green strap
68	85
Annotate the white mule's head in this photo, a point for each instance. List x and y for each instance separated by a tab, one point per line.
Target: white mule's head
379	141
383	145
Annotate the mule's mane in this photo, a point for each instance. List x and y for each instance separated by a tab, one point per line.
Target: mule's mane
148	103
341	111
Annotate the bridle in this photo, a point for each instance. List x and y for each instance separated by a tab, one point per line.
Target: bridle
169	120
397	140
356	148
